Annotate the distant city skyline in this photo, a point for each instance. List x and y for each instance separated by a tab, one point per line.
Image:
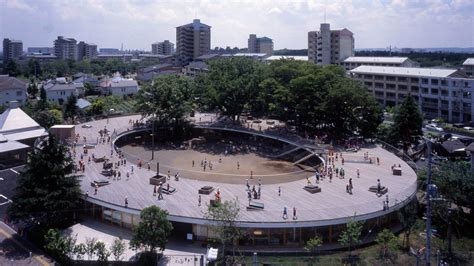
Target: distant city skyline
138	24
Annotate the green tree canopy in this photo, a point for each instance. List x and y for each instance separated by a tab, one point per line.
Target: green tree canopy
153	230
70	108
350	237
224	217
168	98
47	191
387	241
408	121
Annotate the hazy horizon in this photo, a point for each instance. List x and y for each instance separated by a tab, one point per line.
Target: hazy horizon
139	23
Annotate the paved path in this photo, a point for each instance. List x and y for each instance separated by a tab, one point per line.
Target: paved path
332	205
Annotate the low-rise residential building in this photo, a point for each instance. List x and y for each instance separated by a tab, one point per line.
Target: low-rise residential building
12	89
123	57
440	93
58	90
468	67
119	86
195	68
87	79
356	61
156	58
149	73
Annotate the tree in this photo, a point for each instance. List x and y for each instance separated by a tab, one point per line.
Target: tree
43	102
59	247
118	248
233	84
153	230
168	98
11	68
47	191
48	118
91	246
351	236
32	88
388	242
80	250
223	217
70	108
102	253
313	244
97	107
407	216
408	121
455	183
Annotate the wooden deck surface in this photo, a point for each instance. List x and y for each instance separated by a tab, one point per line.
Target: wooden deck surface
332	203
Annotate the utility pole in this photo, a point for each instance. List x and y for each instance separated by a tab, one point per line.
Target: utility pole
428	207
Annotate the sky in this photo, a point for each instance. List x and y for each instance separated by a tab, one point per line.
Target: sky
138	23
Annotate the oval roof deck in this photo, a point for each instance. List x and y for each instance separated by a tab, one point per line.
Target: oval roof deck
331	206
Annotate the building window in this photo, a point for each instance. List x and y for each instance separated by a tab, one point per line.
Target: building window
434	82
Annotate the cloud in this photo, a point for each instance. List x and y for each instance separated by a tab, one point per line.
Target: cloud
138	23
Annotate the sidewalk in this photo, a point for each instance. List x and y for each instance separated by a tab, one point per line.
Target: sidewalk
16	251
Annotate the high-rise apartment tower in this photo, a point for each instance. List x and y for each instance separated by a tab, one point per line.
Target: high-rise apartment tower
192	41
12	49
328	46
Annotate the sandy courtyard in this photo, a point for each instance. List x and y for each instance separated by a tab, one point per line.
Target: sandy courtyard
224	167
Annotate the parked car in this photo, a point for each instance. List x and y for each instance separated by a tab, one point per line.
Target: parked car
434	127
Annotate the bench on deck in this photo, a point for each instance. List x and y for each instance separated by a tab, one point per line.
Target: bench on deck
254	205
100	182
170	191
107	165
108	172
383	189
206	190
312	189
99	159
89	146
156	180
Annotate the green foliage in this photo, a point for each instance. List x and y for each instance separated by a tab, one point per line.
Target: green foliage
168	98
387	133
408	121
32	88
102	253
388	242
313	244
91	246
70	108
97	107
48	118
118	249
224	217
351	236
153	230
80	250
407	216
47	191
455	182
59	247
11	68
232	84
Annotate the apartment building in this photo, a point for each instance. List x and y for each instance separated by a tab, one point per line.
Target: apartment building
440	93
12	89
356	61
86	51
328	46
162	48
260	45
12	49
192	41
40	50
65	48
468	67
